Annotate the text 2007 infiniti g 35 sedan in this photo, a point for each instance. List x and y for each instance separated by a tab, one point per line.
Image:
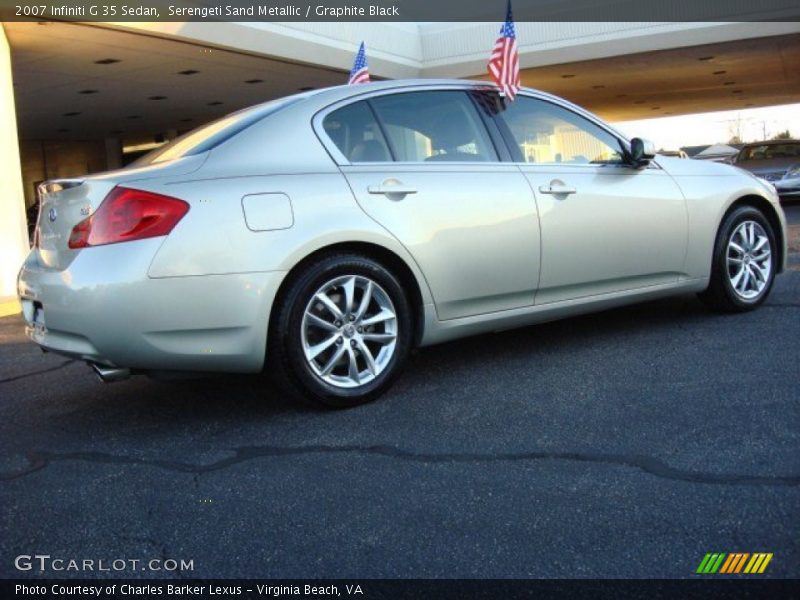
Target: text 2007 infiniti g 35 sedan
321	236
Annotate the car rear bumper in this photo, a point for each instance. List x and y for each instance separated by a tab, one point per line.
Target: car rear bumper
105	309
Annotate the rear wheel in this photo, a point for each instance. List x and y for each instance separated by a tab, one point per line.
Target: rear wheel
743	268
342	331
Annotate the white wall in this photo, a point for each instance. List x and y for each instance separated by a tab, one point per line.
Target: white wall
13	233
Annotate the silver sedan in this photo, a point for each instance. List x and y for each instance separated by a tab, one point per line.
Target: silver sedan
322	236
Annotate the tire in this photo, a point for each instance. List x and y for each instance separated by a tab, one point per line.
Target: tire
320	352
727	292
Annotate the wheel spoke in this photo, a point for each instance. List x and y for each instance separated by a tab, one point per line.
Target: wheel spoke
321	323
365	300
745	279
763	256
352	371
736	278
380	338
349	295
384	315
734	261
761	241
330	305
333	360
751	234
734	246
367	354
314	351
760	274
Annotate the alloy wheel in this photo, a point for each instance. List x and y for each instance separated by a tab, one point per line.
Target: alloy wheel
349	331
749	260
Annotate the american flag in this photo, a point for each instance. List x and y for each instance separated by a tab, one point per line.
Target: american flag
360	72
504	62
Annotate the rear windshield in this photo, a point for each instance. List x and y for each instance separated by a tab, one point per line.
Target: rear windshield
770	151
212	134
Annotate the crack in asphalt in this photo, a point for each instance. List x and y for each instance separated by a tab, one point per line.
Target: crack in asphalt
39	460
39	372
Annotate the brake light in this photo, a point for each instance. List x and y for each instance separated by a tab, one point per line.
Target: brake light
126	215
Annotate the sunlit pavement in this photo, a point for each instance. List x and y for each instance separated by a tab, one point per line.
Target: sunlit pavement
627	443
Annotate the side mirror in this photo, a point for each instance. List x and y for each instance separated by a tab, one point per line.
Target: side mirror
642	152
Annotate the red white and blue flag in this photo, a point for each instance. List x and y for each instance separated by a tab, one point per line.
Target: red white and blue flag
504	62
360	71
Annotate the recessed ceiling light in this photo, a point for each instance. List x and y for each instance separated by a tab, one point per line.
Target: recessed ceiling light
87	92
568	76
107	61
719	72
254	81
71	114
188	72
215	103
157	98
134	116
706	58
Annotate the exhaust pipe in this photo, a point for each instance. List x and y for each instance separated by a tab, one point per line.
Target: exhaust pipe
110	374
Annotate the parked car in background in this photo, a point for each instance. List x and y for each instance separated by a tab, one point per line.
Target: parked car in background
322	236
777	161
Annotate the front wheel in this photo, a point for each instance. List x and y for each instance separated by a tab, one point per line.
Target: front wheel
342	331
743	267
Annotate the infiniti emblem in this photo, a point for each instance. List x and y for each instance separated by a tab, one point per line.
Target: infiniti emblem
53	214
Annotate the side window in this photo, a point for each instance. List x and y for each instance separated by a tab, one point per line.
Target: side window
354	131
433	126
549	134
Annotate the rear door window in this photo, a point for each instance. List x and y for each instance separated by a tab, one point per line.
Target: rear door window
356	133
433	126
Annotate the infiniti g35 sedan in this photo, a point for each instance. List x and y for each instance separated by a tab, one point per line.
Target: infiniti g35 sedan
321	236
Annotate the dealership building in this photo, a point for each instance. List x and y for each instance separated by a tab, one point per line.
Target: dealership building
81	98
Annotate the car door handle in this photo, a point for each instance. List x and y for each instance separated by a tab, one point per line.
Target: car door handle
557	189
391	188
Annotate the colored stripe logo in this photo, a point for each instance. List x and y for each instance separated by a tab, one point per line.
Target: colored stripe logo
731	563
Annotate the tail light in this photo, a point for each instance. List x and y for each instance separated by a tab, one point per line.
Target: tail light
126	215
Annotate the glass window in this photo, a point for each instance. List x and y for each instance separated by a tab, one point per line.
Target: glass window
354	131
549	134
211	135
433	126
770	151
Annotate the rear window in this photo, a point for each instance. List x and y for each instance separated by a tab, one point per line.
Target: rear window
770	151
213	134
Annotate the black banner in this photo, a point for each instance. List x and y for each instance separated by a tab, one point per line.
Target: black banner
403	589
398	10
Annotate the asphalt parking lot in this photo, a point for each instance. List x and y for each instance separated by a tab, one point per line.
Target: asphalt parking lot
623	444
